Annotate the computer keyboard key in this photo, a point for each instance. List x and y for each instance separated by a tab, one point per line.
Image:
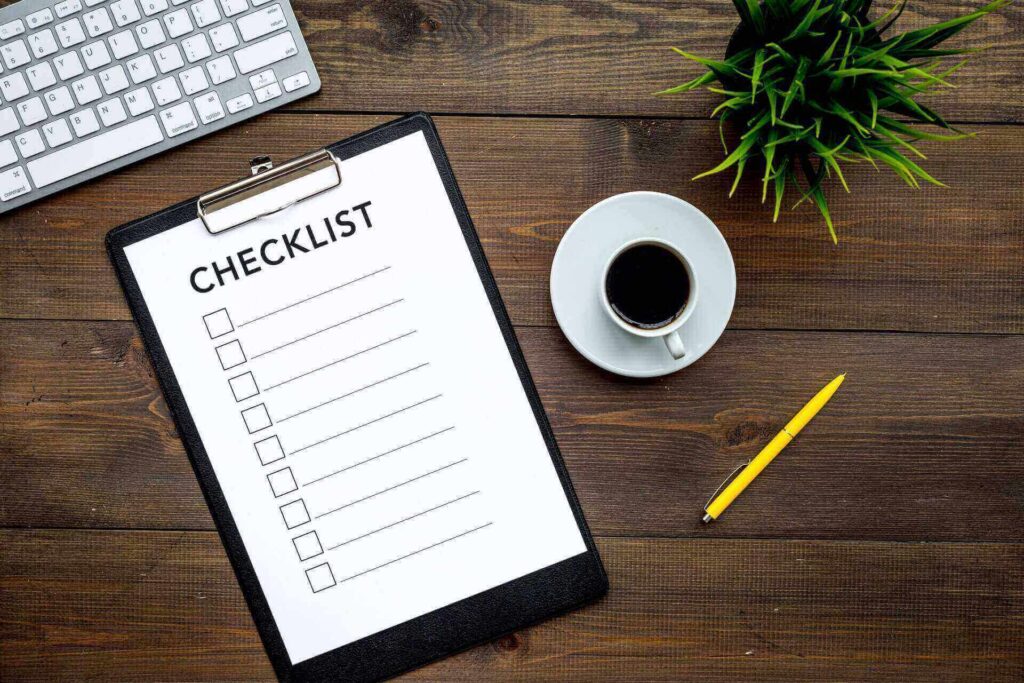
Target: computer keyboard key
178	119
84	122
268	92
13	86
70	33
86	89
208	107
8	121
97	22
111	112
264	53
139	101
299	80
40	76
262	78
166	91
96	55
151	7
68	65
37	19
30	143
12	29
31	111
141	69
125	12
220	70
15	54
168	58
123	44
233	7
240	103
193	80
43	43
87	154
261	22
150	34
7	154
13	183
93	3
178	23
223	37
205	13
114	79
196	48
59	101
67	7
57	133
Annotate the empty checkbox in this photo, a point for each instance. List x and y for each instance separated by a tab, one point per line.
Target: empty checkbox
282	482
295	513
320	577
256	418
218	323
269	450
231	355
243	386
308	545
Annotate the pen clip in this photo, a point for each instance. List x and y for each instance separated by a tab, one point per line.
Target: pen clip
725	483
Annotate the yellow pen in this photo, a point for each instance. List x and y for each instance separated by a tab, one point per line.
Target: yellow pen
720	502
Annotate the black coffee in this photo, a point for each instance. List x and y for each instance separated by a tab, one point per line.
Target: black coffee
647	286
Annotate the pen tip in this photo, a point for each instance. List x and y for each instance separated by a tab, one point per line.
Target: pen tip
707	518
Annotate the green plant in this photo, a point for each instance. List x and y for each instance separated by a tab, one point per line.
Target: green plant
814	83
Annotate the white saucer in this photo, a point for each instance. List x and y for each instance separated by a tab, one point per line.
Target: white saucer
579	263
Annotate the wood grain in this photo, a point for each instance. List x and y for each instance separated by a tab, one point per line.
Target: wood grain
923	442
147	606
919	260
592	57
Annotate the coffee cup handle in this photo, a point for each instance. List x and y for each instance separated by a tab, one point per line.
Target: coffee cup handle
675	344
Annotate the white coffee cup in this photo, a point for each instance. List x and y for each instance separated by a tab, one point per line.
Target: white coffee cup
669	331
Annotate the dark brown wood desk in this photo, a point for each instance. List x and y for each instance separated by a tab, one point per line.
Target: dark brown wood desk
886	544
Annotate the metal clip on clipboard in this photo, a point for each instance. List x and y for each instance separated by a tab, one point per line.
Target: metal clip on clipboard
270	189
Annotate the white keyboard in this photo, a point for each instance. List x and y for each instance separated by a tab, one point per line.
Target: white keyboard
88	86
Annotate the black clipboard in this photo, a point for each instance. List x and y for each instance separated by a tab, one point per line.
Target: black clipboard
483	617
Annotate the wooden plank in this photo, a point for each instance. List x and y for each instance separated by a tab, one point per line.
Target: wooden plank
600	57
928	260
923	442
141	606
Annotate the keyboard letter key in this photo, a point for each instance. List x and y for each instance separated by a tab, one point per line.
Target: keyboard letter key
8	121
139	101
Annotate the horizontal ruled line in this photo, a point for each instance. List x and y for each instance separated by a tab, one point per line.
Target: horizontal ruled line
325	329
366	424
353	392
416	552
381	455
340	360
402	521
314	296
391	488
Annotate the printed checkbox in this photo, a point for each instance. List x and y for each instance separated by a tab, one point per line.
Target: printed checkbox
256	418
231	354
282	482
308	545
218	323
295	513
243	386
269	450
320	577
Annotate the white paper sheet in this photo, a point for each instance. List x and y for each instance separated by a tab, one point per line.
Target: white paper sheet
388	412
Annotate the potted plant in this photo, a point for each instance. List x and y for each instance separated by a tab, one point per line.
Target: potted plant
814	84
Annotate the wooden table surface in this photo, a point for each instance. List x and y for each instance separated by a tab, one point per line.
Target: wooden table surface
886	544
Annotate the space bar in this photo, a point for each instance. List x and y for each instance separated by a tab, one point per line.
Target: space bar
94	151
